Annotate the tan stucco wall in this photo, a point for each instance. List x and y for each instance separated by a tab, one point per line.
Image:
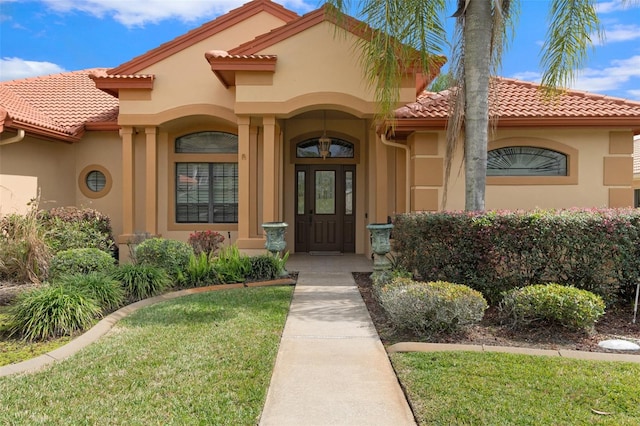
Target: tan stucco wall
33	166
185	78
102	149
315	66
598	150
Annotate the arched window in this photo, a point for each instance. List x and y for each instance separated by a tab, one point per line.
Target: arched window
526	161
207	190
310	148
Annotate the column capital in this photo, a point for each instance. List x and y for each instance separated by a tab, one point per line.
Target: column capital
151	130
269	120
127	130
244	120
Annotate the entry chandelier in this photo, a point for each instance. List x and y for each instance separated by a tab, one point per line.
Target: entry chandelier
324	142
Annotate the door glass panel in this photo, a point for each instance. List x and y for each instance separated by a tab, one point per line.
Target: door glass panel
348	193
301	176
325	192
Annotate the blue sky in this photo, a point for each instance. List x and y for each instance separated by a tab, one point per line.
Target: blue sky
40	37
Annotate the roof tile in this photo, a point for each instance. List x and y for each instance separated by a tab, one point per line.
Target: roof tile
61	103
512	98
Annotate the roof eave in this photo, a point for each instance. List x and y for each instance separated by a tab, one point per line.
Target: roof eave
203	32
113	84
226	67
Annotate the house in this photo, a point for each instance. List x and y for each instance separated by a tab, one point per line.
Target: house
262	115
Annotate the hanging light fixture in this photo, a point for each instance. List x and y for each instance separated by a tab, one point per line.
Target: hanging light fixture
324	142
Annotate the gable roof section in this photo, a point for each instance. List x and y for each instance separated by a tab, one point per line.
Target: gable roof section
59	106
326	13
203	32
520	103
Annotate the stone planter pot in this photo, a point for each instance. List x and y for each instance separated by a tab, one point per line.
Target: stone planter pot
275	236
275	240
381	245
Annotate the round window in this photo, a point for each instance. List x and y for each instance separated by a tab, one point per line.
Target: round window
96	180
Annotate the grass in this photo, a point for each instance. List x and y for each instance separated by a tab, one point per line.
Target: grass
16	350
464	388
201	359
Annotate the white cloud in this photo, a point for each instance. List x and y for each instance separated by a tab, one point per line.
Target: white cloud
634	94
138	13
612	6
601	80
16	68
618	33
610	78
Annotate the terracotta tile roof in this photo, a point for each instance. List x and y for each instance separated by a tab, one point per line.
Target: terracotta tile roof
516	99
57	105
203	32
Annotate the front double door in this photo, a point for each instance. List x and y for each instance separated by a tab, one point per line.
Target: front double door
325	208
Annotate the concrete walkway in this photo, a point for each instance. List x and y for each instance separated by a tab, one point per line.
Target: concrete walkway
331	367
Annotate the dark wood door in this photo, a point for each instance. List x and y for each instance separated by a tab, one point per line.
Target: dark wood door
325	208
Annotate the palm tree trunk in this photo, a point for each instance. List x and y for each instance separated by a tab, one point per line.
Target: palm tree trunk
477	56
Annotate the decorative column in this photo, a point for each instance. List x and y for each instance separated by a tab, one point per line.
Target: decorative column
269	212
243	178
128	181
382	180
151	189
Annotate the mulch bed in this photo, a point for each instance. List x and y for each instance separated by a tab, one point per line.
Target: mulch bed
615	324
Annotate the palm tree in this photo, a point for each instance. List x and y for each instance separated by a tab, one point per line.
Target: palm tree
410	33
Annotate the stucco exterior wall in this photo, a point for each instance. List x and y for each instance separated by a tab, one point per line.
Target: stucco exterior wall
185	78
32	166
602	178
320	65
101	150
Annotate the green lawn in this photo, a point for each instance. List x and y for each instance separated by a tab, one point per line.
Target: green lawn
16	350
465	388
200	359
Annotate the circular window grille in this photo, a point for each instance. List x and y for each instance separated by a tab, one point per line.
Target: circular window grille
96	180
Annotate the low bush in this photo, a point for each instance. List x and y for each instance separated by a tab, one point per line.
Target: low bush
264	267
554	304
52	311
231	265
200	271
431	308
205	241
141	281
71	227
106	291
80	261
171	255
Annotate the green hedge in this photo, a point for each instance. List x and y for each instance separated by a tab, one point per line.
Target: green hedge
493	252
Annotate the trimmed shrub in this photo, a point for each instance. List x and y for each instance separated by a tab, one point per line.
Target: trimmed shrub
141	281
200	271
70	227
205	241
264	267
52	311
170	255
431	308
80	261
554	304
231	265
106	291
493	252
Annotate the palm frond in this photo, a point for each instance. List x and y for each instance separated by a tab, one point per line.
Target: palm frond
571	26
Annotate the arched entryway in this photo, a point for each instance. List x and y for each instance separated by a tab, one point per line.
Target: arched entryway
325	201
